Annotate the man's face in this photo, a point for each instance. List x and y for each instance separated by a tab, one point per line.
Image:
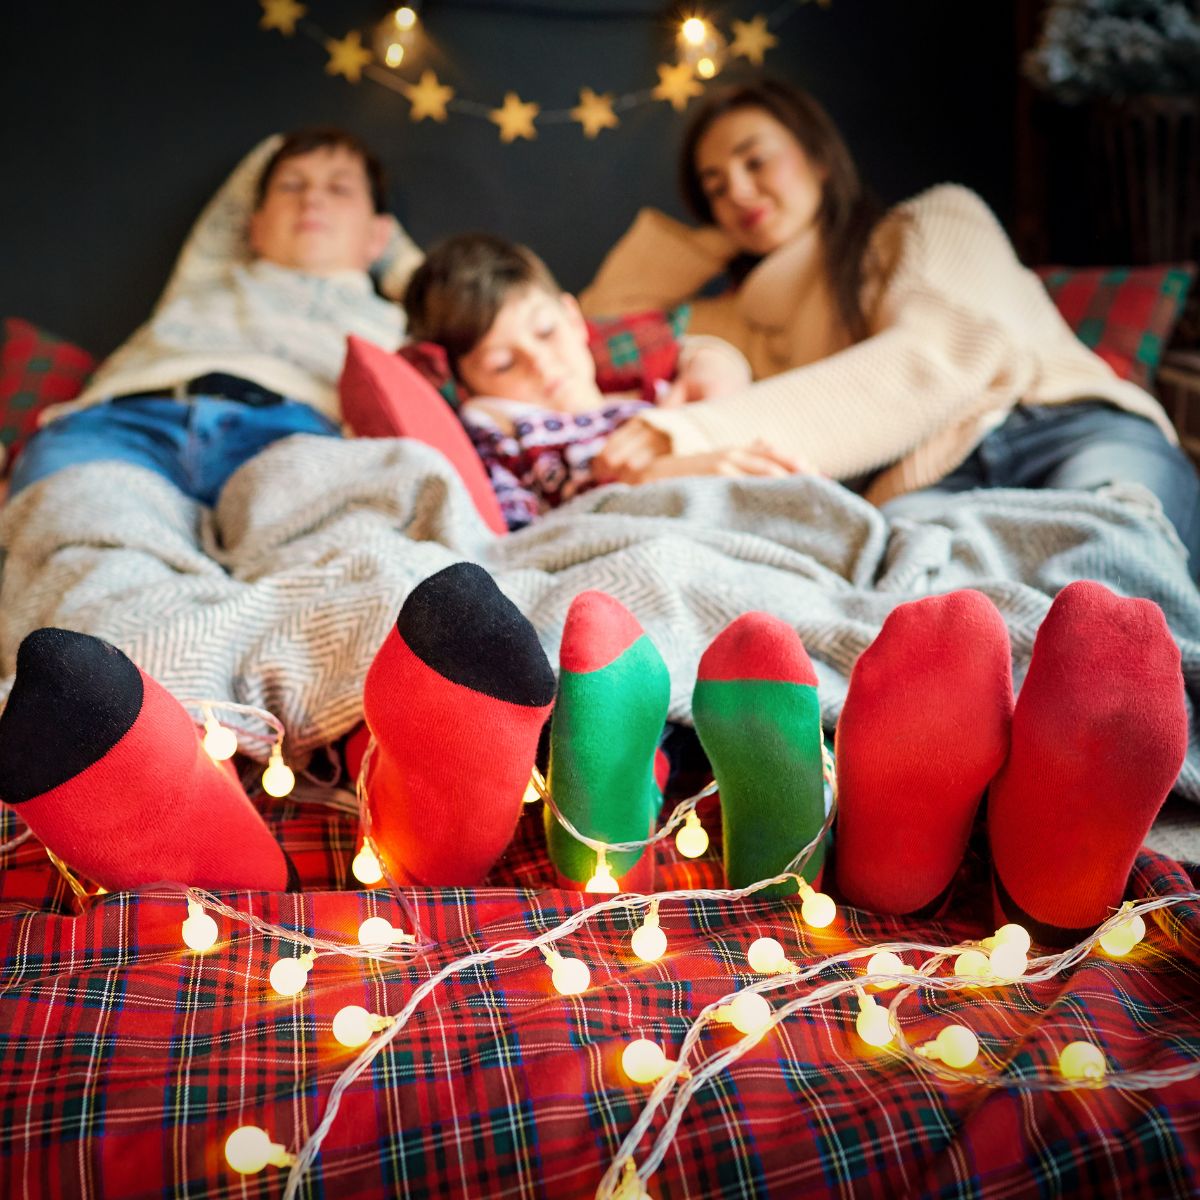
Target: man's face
317	215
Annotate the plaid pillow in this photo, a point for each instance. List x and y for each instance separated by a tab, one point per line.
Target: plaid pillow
1125	314
37	369
632	353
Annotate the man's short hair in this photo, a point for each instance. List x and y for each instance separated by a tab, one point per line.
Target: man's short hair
454	295
325	137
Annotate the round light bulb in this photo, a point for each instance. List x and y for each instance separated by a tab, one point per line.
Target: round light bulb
884	962
818	909
248	1149
972	964
873	1024
692	839
643	1060
353	1026
693	31
220	742
706	67
199	930
1082	1060
376	931
404	17
1013	935
394	55
532	795
289	975
1122	938
602	880
570	976
1008	961
366	866
749	1013
649	943
278	779
765	956
956	1046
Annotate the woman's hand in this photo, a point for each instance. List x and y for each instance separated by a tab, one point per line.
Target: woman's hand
628	452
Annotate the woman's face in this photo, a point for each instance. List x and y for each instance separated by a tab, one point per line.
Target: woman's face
763	188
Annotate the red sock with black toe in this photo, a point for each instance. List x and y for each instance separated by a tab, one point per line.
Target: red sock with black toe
108	770
455	699
924	728
1099	735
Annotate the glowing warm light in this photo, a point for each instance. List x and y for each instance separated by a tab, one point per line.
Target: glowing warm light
956	1045
705	67
366	867
570	976
532	795
289	975
648	941
1012	935
1082	1060
1008	961
748	1013
873	1022
817	909
884	962
694	30
394	54
353	1025
199	930
220	742
404	17
602	880
972	964
278	779
644	1061
692	839
248	1149
766	956
1122	938
376	931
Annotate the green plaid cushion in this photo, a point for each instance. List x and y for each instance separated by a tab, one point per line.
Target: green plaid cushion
1125	314
37	369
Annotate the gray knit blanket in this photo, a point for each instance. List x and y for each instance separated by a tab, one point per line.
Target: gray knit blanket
280	596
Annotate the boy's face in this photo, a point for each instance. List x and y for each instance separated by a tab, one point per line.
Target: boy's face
536	352
317	215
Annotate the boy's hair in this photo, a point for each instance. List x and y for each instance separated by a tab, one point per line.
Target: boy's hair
325	137
454	295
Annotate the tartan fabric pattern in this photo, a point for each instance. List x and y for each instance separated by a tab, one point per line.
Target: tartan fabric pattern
1125	314
37	369
127	1061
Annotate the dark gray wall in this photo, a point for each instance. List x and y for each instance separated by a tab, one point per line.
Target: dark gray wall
124	118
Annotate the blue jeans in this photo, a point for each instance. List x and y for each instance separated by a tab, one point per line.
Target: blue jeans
195	443
1084	446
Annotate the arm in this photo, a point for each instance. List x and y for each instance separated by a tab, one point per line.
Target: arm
708	367
658	263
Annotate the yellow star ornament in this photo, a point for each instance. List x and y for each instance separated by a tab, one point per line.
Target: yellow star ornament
281	15
752	39
515	118
676	84
348	56
429	98
594	112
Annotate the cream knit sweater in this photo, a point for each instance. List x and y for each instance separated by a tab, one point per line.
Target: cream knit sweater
960	333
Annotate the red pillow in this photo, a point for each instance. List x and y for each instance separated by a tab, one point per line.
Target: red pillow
37	369
1125	314
383	396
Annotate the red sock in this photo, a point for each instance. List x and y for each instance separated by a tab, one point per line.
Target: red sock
455	699
1099	735
107	768
924	728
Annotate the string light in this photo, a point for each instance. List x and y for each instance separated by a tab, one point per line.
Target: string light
395	36
1009	935
602	881
874	1022
817	909
1123	936
701	46
644	1061
532	793
199	929
365	867
884	962
278	779
248	1149
692	839
1082	1061
955	1045
220	742
972	964
748	1013
353	1025
1008	961
290	975
630	1186
766	956
648	941
380	932
570	976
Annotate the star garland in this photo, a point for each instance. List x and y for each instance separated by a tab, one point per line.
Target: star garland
517	119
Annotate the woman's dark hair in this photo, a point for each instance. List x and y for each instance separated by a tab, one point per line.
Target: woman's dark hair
325	137
848	212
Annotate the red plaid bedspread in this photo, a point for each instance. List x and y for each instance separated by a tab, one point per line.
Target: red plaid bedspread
125	1060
